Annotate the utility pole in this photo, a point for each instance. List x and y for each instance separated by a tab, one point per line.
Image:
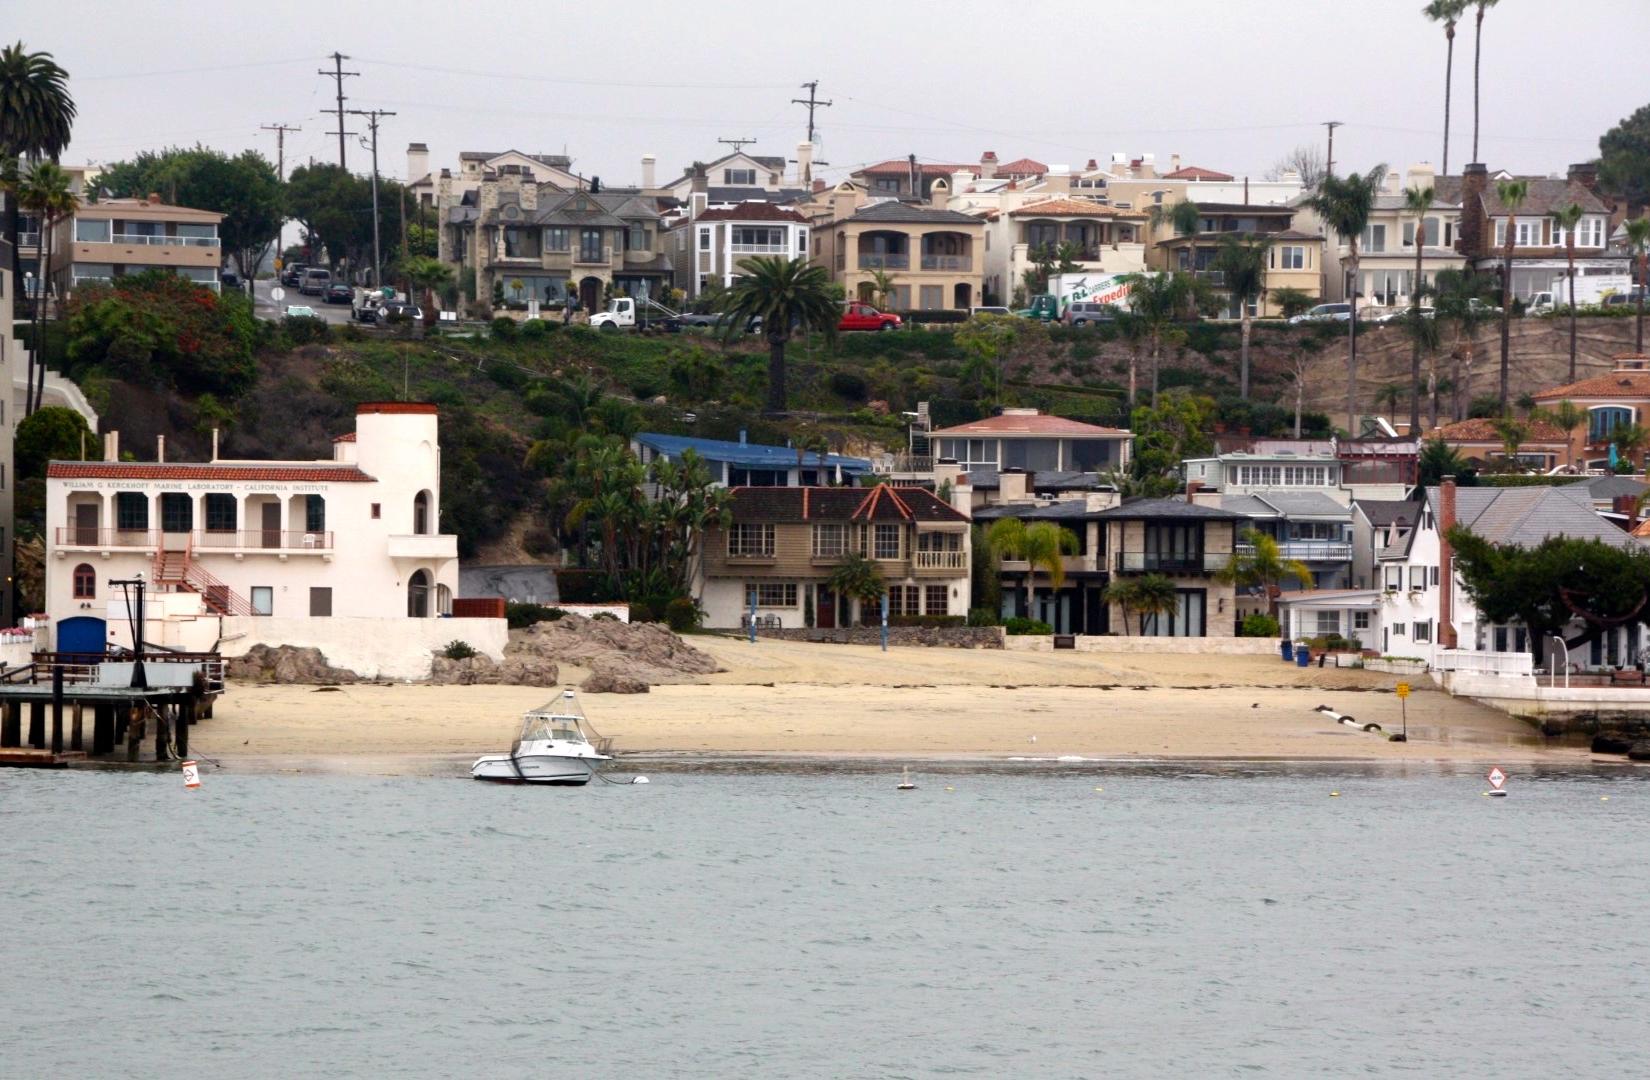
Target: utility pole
812	102
372	116
338	75
736	143
1329	166
280	131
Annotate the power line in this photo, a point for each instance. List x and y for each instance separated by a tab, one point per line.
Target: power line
191	70
372	116
812	102
280	131
736	143
625	84
338	75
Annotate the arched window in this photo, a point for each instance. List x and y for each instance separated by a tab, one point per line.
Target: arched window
421	514
1603	420
418	595
85	582
443	601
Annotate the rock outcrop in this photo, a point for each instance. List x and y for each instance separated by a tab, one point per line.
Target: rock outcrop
286	664
613	682
483	671
633	653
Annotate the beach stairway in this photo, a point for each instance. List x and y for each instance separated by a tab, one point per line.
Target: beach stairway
177	570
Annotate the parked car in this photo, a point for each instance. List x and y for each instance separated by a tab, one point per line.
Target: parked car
293	275
396	310
316	281
300	311
860	316
1324	313
339	293
990	309
229	279
1630	297
1089	314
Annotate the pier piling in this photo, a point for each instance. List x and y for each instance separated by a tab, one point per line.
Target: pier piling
37	724
10	727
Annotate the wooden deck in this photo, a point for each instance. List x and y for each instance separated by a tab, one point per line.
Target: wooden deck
28	758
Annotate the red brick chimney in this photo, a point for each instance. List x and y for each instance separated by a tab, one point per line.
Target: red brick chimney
1446	561
1584	173
1473	238
1192	488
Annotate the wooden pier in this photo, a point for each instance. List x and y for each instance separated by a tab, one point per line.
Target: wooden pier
83	706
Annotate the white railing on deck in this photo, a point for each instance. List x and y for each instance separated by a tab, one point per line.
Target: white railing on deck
1485	663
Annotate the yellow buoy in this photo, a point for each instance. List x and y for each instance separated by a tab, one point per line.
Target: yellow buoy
1334	794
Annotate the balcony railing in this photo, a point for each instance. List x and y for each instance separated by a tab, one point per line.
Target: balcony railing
27	241
1216	278
589	257
940	560
1172	562
1308	550
947	262
161	241
902	463
874	261
77	536
760	249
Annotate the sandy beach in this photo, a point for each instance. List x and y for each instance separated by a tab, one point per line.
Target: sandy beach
790	698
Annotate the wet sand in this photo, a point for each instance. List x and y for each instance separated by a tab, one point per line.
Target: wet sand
788	699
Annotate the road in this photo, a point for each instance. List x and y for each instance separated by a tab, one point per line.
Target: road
265	308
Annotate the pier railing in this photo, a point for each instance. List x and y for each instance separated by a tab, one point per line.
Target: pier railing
1484	663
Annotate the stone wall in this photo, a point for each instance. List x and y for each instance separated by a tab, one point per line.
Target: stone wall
1106	643
949	637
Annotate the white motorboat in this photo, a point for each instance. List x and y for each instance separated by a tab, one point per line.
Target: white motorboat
553	748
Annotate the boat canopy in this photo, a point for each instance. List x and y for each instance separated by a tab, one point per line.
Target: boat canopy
560	719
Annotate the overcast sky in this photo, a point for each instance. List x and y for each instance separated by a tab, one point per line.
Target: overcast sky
1227	85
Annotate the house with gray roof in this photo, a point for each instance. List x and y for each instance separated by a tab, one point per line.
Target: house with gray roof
1296	499
931	257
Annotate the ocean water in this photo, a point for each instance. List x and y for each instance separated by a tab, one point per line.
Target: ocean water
1038	921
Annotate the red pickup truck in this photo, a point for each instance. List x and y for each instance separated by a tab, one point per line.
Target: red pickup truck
858	316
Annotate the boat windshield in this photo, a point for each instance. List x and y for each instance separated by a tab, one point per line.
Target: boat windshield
549	726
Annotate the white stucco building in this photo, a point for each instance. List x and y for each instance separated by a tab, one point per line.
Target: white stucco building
342	554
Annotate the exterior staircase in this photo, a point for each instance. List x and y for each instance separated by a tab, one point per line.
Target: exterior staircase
178	571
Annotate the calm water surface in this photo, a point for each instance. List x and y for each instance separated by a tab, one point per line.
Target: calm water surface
1178	922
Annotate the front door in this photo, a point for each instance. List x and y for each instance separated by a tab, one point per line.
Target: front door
825	609
85	523
271	525
590	294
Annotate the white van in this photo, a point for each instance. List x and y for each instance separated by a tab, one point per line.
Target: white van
1539	303
315	281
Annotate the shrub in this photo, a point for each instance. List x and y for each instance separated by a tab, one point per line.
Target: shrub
303	329
504	329
459	650
533	329
1019	625
582	586
982	616
518	616
1258	625
849	385
156	326
608	615
683	614
926	620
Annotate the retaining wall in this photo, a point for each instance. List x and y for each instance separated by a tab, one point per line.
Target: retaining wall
372	648
949	637
1103	643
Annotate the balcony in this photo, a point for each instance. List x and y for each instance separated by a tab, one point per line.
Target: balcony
1171	562
435	546
940	560
880	261
163	241
947	262
592	257
760	249
1217	278
258	540
1308	550
27	241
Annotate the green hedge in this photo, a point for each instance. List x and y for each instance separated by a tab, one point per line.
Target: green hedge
1522	480
517	616
1018	625
926	620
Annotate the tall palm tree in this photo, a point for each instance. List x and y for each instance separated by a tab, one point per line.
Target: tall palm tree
1344	204
789	296
1417	201
1477	48
1183	217
1389	395
1638	242
1566	416
1454	295
1426	336
1512	194
1041	545
1242	266
1567	218
36	115
1132	331
1263	566
1158	300
45	192
1447	12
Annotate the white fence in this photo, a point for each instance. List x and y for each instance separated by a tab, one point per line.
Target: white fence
1484	663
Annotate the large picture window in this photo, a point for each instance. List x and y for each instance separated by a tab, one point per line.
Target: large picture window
750	542
885	542
131	511
770	594
830	541
220	513
177	512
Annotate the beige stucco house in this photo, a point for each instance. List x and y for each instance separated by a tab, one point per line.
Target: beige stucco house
931	254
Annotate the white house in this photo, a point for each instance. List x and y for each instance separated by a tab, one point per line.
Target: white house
710	246
342	555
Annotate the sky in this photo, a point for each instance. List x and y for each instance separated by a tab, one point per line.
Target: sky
1228	84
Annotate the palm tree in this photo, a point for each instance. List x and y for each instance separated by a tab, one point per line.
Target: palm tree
1426	336
788	295
1263	566
1184	217
1041	545
1567	218
859	578
36	114
1630	439
1133	331
1454	296
1344	204
1242	266
1439	459
1447	12
1638	242
1566	416
1512	194
43	190
1147	595
1512	434
1477	47
1418	201
427	275
1300	363
1389	395
882	288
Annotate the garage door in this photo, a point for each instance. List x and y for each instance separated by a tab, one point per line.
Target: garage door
82	634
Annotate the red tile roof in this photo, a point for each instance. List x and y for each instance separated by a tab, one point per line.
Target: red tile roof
397	408
347	437
899	167
1020	424
152	470
751	211
1073	207
1481	429
1023	167
1617	384
1196	172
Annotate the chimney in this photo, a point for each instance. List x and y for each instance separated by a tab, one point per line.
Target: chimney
843	201
153	199
1011	485
1584	173
699	196
1446	559
988	165
1627	506
804	164
214	444
1393	185
648	161
1192	487
1472	239
914	175
111	446
1174	162
160	448
742	437
418	162
962	494
1093	166
940	193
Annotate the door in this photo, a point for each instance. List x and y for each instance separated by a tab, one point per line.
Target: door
271	531
590	294
825	609
85	523
82	634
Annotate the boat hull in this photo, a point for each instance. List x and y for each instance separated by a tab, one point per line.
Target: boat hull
535	769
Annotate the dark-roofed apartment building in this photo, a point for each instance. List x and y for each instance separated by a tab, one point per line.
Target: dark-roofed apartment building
1294	259
1539	261
933	256
709	248
784	543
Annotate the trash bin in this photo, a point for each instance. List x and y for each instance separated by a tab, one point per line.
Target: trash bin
1288	650
1303	656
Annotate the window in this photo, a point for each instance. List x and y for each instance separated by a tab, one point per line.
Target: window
1529	234
177	512
887	183
1591	233
1602	422
1291	257
740	477
1327	622
759	236
590	245
1360	620
935	599
1374	239
1433	575
830	541
739	177
263	600
92	232
522	243
704	239
750	542
770	594
1398	629
939	541
885	542
1417	578
220	512
557	238
85	582
131	511
903	599
932	297
315	514
377	511
1423	631
636	238
421	514
320	601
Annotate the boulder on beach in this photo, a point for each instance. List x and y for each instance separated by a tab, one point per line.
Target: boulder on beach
647	652
483	671
285	664
613	682
1639	751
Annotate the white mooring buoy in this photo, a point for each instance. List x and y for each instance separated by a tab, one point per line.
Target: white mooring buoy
905	783
191	775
